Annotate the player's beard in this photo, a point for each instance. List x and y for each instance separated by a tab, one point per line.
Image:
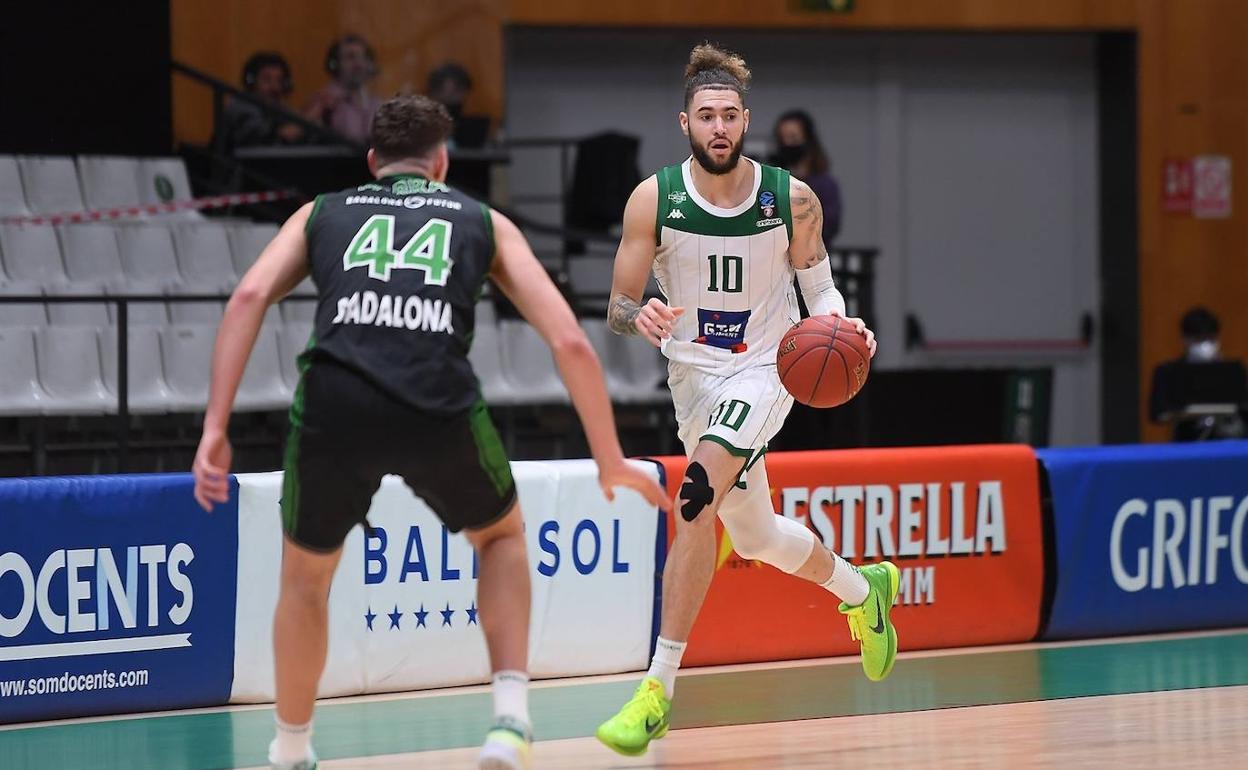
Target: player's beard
703	157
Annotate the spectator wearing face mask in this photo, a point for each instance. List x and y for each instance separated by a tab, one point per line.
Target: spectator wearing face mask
345	104
1201	395
799	150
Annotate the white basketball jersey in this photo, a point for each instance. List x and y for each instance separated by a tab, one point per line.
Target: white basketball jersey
728	268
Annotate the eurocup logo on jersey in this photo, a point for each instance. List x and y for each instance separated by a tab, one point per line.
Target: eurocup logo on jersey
1171	543
905	521
767	204
82	601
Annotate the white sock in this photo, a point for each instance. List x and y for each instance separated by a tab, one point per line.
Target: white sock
511	696
667	655
846	582
292	743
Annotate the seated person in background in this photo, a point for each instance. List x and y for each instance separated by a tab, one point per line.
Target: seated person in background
266	75
799	150
450	85
345	104
1201	395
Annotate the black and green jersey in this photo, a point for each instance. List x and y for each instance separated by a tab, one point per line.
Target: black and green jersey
399	265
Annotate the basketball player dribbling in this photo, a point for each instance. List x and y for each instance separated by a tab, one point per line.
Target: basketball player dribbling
725	236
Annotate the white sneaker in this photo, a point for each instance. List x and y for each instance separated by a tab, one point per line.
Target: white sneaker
307	763
507	747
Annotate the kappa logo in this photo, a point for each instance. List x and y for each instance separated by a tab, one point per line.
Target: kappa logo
676	214
678	197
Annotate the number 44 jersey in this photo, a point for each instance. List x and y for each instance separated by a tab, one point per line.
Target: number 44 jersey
728	268
399	265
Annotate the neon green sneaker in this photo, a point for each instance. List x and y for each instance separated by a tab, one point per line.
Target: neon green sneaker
644	718
869	623
508	746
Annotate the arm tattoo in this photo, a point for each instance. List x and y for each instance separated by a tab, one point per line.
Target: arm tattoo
622	315
809	247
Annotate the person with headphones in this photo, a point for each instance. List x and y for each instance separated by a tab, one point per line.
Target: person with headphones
344	103
266	75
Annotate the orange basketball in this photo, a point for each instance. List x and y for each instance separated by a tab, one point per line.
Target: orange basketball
822	361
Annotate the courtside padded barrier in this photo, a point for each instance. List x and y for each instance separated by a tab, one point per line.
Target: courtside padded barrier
1149	538
962	523
403	613
116	595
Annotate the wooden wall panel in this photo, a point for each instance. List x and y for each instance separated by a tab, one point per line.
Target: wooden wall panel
410	38
1193	93
1193	100
868	14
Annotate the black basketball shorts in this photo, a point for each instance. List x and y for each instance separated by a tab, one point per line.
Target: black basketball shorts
345	434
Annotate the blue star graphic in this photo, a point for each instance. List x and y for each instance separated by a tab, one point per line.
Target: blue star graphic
472	614
421	614
446	615
394	617
368	618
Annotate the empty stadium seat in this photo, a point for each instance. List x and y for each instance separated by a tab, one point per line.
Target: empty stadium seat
162	180
148	393
590	277
139	313
25	314
109	181
32	254
70	373
305	288
185	312
292	340
203	254
607	345
148	255
635	370
646	369
528	366
485	355
20	391
186	356
263	387
50	183
90	253
78	313
301	311
246	243
12	196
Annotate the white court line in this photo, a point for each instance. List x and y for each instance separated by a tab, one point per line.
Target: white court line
632	676
94	647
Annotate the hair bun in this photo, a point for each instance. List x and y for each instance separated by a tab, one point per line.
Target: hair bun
708	57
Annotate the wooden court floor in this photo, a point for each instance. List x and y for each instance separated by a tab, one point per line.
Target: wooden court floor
1138	703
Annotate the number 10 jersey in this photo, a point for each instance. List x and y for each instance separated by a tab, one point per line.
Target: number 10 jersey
728	268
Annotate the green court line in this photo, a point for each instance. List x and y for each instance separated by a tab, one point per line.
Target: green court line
240	738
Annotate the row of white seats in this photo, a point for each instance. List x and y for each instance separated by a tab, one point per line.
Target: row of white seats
44	184
72	370
68	370
204	257
515	366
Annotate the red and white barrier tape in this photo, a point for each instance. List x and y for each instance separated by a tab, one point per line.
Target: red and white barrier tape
130	212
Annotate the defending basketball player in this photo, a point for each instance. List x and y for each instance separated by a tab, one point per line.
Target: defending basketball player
386	387
725	236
